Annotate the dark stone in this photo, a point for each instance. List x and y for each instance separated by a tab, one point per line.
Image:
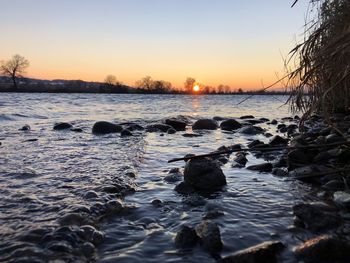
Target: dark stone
171	131
274	122
241	159
186	238
342	199
173	176
334	138
191	135
88	249
287	118
126	133
244	117
209	236
264	119
62	126
334	185
76	130
72	219
322	249
194	200
254	121
25	128
298	157
264	167
134	127
230	125
254	143
183	188
280	172
176	124
280	126
158	127
205	124
278	140
314	219
204	175
263	253
104	127
251	130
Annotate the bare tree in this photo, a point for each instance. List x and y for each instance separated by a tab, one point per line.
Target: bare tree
14	68
112	80
189	83
145	83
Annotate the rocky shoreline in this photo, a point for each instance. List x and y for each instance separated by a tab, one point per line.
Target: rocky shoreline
319	157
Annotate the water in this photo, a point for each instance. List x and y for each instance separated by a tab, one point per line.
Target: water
46	175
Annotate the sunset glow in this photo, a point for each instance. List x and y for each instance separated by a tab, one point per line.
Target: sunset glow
196	88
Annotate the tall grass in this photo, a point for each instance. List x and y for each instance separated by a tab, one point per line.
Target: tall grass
319	78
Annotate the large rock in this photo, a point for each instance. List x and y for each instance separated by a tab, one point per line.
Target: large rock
205	124
158	127
263	253
176	124
230	125
324	249
62	126
313	218
263	167
251	130
209	236
104	127
278	140
186	237
204	175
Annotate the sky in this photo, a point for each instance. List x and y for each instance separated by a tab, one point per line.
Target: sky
231	42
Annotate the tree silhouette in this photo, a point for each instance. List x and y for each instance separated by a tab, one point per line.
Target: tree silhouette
14	68
189	83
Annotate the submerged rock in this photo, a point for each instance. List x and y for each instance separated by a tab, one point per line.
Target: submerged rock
278	140
342	199
263	253
158	127
204	175
205	124
62	126
126	133
209	236
230	125
176	124
244	117
251	130
25	128
263	167
104	127
323	249
186	238
240	160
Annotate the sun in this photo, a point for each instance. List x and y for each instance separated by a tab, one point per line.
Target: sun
196	88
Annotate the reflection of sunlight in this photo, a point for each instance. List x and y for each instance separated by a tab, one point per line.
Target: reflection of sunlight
196	105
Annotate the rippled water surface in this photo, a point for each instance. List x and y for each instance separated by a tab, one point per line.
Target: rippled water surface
46	175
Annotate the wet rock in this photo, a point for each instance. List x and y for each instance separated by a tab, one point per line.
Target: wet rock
204	175
251	130
125	133
209	236
274	122
306	173
205	124
76	130
90	195
254	121
25	128
183	188
297	158
263	167
230	125
178	125
104	127
194	200
61	247
264	119
342	198
114	207
157	202
334	185
278	140
254	143
171	131
213	214
280	172
173	176
186	238
192	135
62	126
322	157
322	249
88	249
334	138
240	160
72	219
244	117
134	127
263	253
158	127
314	219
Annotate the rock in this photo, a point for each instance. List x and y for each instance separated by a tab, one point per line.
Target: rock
192	135
125	133
305	173
104	127
171	131
342	198
114	207
157	202
62	126
322	157
209	236
264	119
204	175
230	125
90	195
278	140
251	130
183	188
186	238
314	219
205	124
88	249
334	185
72	219
263	167
323	249
244	117
176	124
254	143
254	121
134	127
194	200
25	128
240	159
213	214
297	158
334	138
274	122
280	172
158	127
263	253
173	176
61	247
76	130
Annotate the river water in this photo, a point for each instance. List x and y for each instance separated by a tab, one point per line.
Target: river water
46	175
